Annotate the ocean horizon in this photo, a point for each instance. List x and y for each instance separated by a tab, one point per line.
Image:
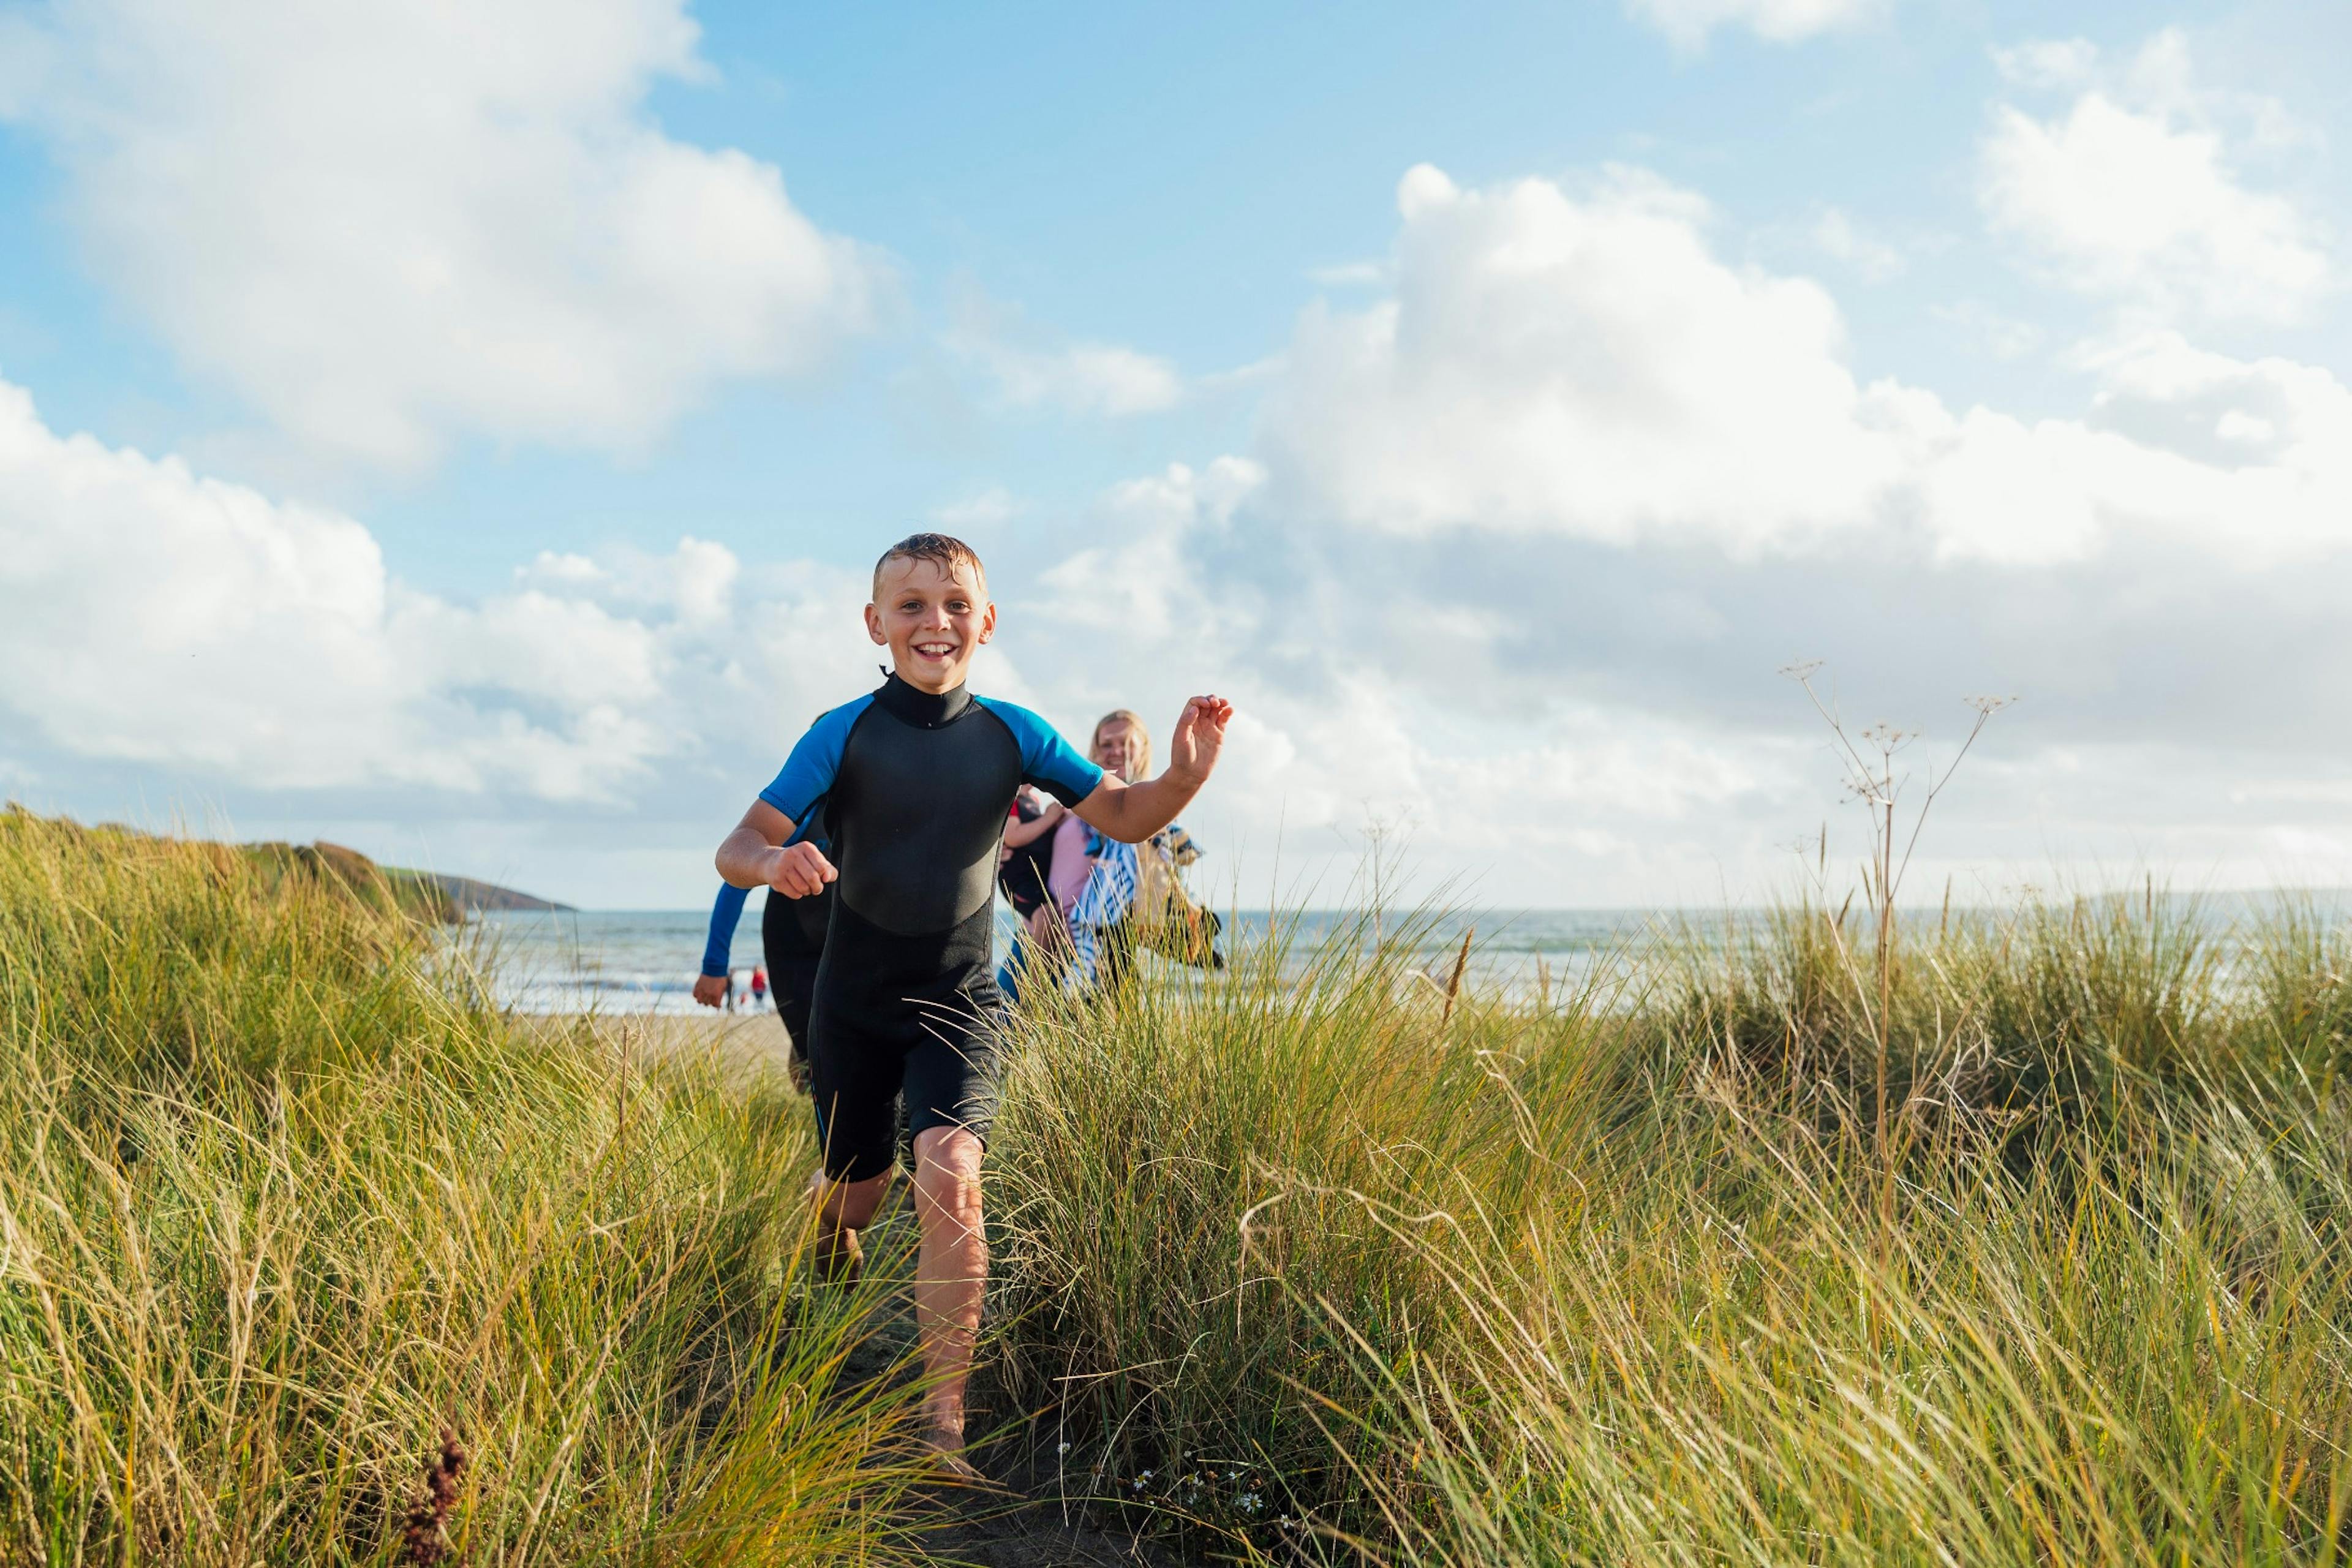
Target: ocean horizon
645	961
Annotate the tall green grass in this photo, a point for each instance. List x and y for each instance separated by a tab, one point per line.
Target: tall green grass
278	1206
1310	1259
1646	1276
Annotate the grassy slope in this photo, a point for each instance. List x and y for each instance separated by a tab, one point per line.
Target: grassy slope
276	1206
1640	1283
1636	1279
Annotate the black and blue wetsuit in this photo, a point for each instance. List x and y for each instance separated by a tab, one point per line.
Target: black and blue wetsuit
915	788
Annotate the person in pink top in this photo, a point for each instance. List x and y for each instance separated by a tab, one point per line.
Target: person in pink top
1067	877
1122	746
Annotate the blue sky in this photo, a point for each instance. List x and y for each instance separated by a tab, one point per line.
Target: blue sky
1491	397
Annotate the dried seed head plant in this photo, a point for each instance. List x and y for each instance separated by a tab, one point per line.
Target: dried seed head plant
1868	757
423	1541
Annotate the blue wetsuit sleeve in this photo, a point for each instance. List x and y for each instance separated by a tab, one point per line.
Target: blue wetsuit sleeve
724	913
808	774
1047	761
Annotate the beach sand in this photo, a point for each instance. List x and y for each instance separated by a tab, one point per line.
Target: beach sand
748	1042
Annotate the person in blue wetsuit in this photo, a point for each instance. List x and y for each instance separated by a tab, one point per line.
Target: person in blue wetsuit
916	780
792	939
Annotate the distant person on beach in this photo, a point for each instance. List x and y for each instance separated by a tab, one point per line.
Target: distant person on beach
758	989
916	781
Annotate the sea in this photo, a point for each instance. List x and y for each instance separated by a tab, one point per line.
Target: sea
645	961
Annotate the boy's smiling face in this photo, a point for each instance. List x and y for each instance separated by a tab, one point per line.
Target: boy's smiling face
931	619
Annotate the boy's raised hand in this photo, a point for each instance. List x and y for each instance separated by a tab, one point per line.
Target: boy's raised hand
801	871
1200	735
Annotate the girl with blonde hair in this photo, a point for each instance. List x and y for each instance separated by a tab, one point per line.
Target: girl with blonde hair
1090	882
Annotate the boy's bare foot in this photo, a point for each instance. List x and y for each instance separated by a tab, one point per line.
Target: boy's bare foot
944	1448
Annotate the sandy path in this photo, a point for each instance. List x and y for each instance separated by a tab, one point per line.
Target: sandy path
751	1041
1023	1526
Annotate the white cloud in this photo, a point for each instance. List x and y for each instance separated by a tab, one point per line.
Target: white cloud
1082	378
1031	368
1576	364
1842	236
1987	331
391	225
1087	378
1687	23
1509	556
149	614
1995	487
1590	788
1587	368
1147	582
1340	728
696	582
1567	703
2048	62
2132	194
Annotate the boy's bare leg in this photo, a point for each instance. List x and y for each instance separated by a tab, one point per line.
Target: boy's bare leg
844	1208
951	1272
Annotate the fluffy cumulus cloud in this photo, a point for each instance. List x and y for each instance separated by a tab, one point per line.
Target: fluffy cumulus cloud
1689	22
388	224
1505	568
2132	193
1580	363
149	614
1506	562
2242	461
1518	548
1585	365
1357	682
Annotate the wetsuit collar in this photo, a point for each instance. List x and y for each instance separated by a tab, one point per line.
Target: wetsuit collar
923	710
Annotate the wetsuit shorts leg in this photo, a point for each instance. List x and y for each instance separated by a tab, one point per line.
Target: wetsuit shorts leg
892	1013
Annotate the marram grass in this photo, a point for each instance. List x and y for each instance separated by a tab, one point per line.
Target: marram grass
278	1208
1308	1261
1645	1278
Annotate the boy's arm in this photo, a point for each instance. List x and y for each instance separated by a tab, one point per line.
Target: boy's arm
760	852
755	855
1132	813
1020	835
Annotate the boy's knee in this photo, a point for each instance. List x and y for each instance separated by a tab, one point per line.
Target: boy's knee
950	1151
947	1171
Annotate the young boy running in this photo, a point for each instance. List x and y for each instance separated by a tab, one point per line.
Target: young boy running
916	780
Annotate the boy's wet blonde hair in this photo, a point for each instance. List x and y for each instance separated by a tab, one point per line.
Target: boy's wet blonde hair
1139	751
944	550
